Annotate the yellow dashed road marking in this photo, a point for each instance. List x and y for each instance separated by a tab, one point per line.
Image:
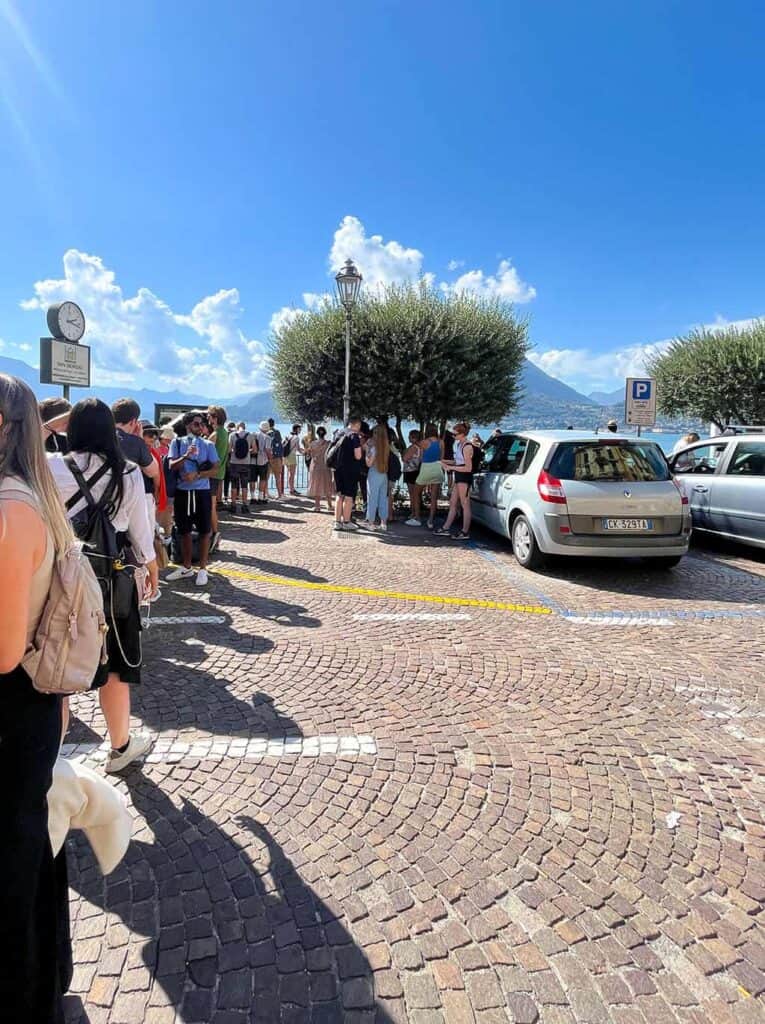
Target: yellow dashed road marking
397	595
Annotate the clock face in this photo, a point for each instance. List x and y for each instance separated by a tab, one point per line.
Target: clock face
69	321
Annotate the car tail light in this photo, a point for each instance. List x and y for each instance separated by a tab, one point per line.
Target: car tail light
550	488
679	486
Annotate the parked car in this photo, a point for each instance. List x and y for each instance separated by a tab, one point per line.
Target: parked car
563	492
724	479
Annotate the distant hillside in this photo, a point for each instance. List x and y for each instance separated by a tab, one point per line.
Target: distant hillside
607	397
537	382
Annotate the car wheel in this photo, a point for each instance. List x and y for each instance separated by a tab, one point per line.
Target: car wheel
667	562
525	547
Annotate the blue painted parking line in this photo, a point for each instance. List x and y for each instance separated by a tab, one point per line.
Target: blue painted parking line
629	616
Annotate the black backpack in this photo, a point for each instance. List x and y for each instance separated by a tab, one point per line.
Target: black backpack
241	446
394	467
100	542
332	454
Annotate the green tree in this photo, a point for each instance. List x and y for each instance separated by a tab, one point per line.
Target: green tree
417	354
717	376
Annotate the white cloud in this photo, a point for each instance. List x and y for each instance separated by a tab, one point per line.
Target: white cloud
142	340
455	264
23	347
506	284
380	262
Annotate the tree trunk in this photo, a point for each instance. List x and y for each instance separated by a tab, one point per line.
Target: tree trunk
399	435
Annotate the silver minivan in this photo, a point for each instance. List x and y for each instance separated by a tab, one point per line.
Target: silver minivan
724	478
564	492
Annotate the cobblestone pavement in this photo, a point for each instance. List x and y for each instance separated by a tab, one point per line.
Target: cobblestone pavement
367	808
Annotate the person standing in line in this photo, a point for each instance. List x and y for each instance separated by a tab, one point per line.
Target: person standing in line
377	456
292	449
684	441
35	967
612	426
276	461
94	446
430	478
219	437
411	468
261	461
164	512
54	413
347	473
127	414
230	428
240	459
365	434
319	474
196	461
307	440
465	458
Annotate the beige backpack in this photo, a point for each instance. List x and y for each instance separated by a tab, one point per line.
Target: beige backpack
68	650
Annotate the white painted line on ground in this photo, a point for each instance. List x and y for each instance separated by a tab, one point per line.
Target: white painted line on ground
215	747
411	617
619	620
180	620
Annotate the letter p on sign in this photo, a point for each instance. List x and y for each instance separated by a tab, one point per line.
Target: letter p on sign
641	390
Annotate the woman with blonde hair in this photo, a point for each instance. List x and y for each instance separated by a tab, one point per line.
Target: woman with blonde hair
34	530
377	457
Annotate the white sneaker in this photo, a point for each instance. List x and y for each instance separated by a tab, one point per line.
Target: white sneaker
413	522
366	524
180	574
383	527
140	743
201	580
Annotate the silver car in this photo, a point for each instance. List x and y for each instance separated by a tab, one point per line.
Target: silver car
724	479
564	492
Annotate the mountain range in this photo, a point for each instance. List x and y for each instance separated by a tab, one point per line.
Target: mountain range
546	401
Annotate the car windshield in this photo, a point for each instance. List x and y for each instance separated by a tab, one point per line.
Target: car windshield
618	461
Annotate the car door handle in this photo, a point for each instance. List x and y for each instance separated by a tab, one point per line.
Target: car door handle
702	490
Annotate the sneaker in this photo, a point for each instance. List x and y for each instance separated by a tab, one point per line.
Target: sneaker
180	574
140	743
442	532
202	578
338	526
350	525
215	540
413	522
383	527
430	526
366	524
461	536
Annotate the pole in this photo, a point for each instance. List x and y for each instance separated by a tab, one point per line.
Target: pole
66	391
638	430
347	392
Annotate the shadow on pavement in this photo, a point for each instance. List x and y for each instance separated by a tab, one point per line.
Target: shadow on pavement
295	572
225	927
225	594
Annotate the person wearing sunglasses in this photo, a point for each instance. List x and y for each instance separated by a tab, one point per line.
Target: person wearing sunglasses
195	460
463	465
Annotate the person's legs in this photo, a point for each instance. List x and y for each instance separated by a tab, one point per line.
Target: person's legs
464	490
114	697
373	496
384	503
263	482
203	518
433	490
453	504
186	550
292	469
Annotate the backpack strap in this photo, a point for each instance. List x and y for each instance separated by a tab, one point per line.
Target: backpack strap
84	486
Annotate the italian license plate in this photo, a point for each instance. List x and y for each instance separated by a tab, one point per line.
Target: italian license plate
627	524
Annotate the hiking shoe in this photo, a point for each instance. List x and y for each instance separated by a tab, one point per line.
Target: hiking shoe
180	574
139	744
202	578
413	522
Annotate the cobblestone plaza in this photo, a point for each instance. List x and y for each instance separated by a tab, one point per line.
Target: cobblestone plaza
398	779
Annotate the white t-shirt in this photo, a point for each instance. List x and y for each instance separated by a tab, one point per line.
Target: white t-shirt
131	517
264	448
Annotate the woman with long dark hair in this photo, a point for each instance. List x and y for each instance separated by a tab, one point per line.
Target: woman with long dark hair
93	444
33	532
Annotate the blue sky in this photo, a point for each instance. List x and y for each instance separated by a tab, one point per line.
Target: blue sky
202	165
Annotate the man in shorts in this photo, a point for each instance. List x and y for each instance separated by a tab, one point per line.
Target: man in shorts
347	473
240	445
196	461
276	461
261	462
216	414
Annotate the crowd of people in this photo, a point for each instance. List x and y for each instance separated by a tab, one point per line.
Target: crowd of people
128	489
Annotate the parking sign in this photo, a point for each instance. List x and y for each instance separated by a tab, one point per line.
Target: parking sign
640	401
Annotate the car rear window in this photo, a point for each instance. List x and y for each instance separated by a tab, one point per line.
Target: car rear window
629	461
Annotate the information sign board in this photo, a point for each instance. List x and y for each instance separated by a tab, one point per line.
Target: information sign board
640	402
64	362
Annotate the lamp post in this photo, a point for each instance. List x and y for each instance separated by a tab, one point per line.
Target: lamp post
348	283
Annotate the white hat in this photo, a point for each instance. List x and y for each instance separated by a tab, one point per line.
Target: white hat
265	426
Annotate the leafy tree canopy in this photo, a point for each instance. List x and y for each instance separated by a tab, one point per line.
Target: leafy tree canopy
416	354
717	376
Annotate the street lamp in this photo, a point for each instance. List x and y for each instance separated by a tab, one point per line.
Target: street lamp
348	282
